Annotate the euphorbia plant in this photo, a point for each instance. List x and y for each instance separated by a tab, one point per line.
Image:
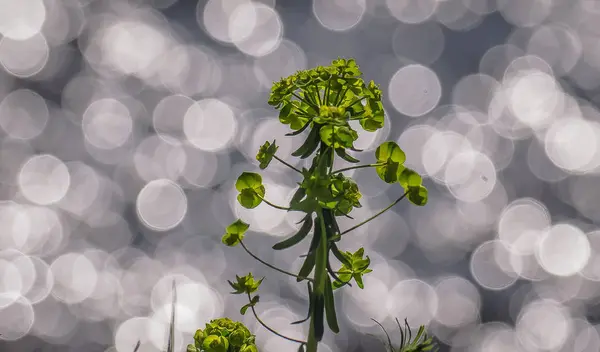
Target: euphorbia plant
323	101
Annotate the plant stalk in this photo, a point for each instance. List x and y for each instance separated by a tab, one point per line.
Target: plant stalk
319	281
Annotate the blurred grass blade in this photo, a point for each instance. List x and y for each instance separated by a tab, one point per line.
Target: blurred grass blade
171	342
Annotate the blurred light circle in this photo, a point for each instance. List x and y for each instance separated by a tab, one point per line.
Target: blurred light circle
470	176
415	90
75	278
130	332
161	205
339	15
17	317
563	250
572	143
255	29
210	125
522	223
44	179
107	124
21	20
543	325
412	11
23	114
487	271
24	58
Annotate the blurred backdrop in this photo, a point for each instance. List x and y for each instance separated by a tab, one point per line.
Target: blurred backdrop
124	125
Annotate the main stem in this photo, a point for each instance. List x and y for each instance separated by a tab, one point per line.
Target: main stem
319	279
320	268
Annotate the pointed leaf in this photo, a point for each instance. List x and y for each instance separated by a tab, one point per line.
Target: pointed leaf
342	154
310	144
299	236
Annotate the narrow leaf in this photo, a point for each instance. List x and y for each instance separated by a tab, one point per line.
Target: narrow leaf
318	310
310	144
342	154
330	307
299	236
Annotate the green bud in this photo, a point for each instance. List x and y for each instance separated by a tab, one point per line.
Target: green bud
238	337
214	343
248	348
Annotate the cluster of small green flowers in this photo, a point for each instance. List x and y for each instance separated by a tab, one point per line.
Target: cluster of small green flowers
329	96
223	335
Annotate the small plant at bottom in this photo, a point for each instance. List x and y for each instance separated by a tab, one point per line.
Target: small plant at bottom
223	335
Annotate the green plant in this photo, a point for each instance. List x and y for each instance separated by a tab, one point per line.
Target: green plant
420	343
323	101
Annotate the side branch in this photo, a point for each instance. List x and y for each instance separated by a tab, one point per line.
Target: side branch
271	330
270	265
376	215
286	164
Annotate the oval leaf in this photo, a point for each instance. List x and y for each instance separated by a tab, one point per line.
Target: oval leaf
392	157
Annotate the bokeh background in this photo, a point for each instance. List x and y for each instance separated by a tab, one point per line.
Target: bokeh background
124	125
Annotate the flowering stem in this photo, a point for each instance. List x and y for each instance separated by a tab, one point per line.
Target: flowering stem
286	164
270	265
319	283
376	215
268	328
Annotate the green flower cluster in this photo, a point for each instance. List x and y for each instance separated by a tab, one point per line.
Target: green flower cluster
338	193
223	335
326	98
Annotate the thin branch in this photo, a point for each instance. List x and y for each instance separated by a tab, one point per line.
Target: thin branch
270	265
286	164
271	204
376	215
268	328
357	167
306	102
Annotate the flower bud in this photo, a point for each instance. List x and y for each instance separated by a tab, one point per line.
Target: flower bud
214	343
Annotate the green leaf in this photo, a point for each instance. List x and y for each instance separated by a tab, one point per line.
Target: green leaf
299	236
307	266
245	284
252	303
340	255
297	132
215	343
342	154
417	195
298	195
318	316
301	348
266	153
251	189
409	178
392	157
234	233
330	307
310	144
338	136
